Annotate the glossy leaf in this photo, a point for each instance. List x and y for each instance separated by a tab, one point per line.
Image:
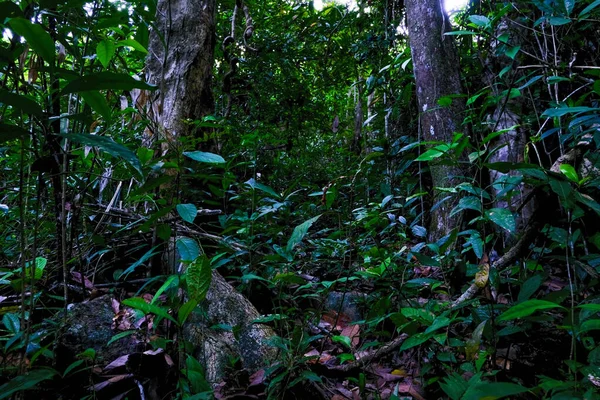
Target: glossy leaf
134	44
503	218
188	248
299	233
204	157
569	172
526	308
257	185
187	212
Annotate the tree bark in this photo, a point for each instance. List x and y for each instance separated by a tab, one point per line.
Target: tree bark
436	68
180	62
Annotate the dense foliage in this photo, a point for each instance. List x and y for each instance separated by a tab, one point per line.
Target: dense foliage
310	181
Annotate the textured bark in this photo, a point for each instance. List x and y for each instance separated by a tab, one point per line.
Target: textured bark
180	63
437	74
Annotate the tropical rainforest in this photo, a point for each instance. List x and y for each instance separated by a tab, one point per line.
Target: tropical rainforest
284	199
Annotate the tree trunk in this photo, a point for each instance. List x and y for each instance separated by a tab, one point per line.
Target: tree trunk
436	67
180	63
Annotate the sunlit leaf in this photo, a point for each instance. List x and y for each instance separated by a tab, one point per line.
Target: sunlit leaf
299	233
503	218
105	50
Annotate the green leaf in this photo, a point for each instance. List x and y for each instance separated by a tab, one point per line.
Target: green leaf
172	280
299	233
26	381
198	277
119	336
140	304
526	308
589	325
12	132
415	340
188	249
267	189
584	13
530	286
36	36
72	367
185	310
105	50
480	20
467	203
492	390
557	21
345	340
12	323
133	44
148	255
21	103
204	157
503	218
569	172
562	111
98	103
187	212
105	81
512	52
107	145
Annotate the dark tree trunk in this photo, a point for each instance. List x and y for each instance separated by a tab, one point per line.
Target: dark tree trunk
437	74
180	62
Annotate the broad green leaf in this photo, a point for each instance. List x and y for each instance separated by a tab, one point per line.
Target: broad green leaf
187	212
12	132
185	310
133	44
12	323
589	325
140	304
559	112
98	103
526	308
21	103
503	218
557	21
439	322
345	340
299	233
492	390
105	50
8	9
454	386
36	36
529	287
204	157
198	277
512	52
188	249
267	189
105	81
460	33
25	382
467	203
415	340
480	20
107	145
472	344
569	172
72	367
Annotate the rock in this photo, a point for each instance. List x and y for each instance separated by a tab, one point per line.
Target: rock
347	303
89	325
214	348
